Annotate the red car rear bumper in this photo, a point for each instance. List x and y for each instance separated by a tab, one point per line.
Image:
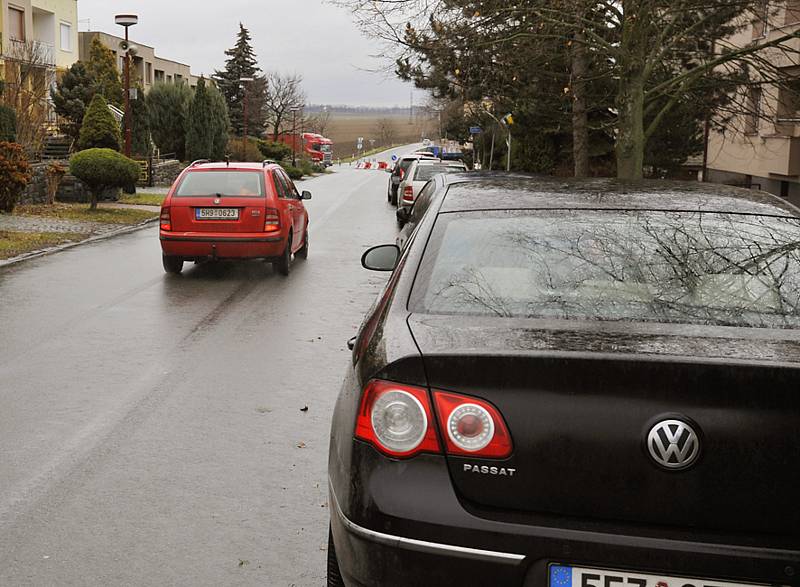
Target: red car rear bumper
222	246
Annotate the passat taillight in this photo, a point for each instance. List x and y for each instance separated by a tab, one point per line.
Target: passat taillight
397	419
166	219
472	427
272	220
408	194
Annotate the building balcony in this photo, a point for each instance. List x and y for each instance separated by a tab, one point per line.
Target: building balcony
783	154
31	52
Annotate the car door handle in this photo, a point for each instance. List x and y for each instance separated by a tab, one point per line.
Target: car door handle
351	344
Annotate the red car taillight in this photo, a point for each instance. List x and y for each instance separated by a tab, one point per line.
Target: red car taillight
272	220
166	219
472	427
397	419
408	194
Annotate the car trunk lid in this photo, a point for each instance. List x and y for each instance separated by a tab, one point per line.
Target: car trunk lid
580	401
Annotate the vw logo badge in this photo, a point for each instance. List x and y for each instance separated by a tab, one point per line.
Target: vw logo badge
217	201
673	444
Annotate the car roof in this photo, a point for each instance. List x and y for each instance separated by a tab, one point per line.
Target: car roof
233	166
508	191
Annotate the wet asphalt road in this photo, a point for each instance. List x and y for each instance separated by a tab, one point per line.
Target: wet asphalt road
151	429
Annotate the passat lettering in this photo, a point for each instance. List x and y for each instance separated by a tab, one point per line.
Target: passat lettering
487	470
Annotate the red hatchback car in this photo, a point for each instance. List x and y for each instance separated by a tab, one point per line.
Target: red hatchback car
233	211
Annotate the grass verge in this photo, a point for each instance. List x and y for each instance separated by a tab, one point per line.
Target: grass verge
143	199
82	213
13	244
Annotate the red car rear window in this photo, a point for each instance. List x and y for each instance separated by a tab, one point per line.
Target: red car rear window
243	184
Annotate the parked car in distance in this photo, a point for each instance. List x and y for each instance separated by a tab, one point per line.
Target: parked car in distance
399	171
233	211
419	173
573	383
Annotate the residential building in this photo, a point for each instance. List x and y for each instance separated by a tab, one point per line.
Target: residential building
46	28
761	147
146	67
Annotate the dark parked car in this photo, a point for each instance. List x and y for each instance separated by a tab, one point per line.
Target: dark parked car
587	384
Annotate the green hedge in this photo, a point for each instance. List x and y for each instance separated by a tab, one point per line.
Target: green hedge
293	172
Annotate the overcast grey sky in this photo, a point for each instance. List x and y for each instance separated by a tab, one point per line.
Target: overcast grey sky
310	37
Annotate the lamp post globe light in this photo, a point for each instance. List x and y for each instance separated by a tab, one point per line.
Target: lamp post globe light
127	21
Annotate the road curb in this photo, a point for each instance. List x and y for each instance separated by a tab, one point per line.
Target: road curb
52	250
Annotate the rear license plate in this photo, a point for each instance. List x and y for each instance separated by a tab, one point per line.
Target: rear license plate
564	576
217	213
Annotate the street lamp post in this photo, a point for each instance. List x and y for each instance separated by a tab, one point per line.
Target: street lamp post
295	110
244	81
127	21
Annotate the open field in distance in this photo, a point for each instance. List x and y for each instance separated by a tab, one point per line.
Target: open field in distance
345	128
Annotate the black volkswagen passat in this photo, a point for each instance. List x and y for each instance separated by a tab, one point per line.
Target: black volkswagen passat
586	384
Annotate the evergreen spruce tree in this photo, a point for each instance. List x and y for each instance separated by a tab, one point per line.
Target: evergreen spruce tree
219	123
140	125
199	125
167	106
103	70
242	63
99	128
72	96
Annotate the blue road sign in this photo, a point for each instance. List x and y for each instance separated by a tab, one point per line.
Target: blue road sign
394	157
475	130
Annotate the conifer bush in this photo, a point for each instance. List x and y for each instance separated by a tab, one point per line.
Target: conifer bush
100	129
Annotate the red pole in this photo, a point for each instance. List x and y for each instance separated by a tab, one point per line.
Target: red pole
128	113
244	140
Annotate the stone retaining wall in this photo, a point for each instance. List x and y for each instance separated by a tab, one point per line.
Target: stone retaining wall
71	189
165	173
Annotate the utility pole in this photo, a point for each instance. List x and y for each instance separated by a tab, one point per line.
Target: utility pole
244	81
294	136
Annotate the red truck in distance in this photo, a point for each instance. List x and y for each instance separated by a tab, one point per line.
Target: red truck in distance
316	147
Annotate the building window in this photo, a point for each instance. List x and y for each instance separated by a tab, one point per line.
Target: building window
148	72
66	37
753	114
760	19
16	24
792	15
160	75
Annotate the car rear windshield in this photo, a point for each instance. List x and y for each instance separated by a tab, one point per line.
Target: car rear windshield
245	184
678	267
426	172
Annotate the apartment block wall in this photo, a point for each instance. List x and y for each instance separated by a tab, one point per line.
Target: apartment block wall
761	148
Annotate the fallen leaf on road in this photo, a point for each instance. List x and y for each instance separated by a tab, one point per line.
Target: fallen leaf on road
264	410
305	409
243	562
301	445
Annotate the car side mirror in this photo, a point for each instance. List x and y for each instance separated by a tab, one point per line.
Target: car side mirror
306	195
381	258
403	215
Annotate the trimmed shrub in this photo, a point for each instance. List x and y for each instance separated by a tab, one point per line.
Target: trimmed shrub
15	173
100	129
238	151
102	169
293	172
275	151
8	125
